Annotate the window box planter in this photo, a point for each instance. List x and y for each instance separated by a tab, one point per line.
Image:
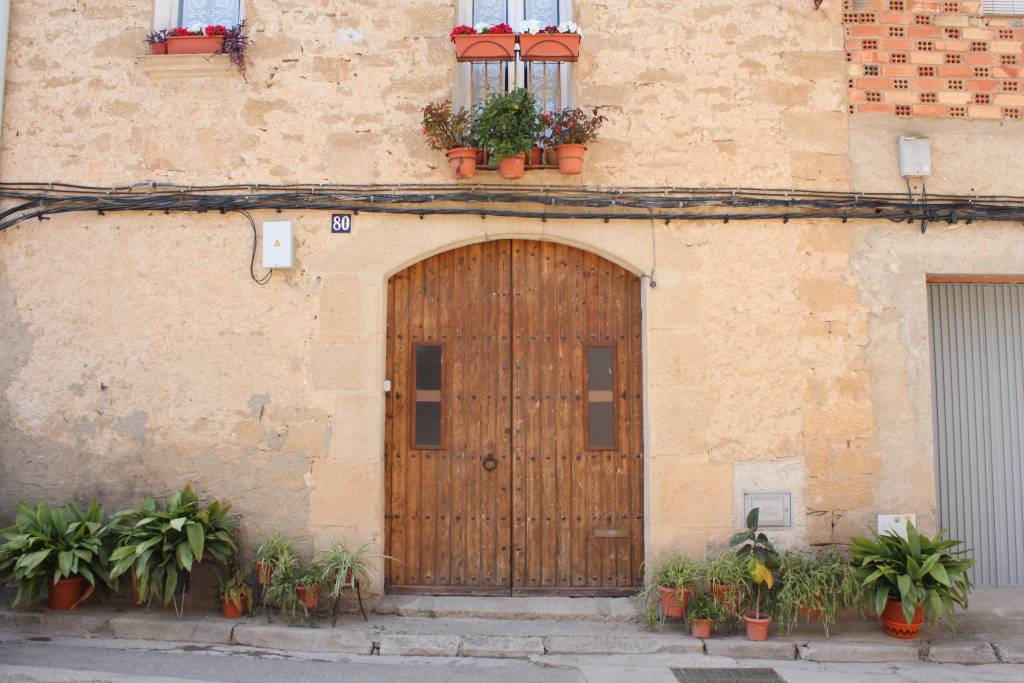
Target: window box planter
549	47
194	45
485	47
158	49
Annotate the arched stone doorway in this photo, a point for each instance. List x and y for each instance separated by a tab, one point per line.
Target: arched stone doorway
514	432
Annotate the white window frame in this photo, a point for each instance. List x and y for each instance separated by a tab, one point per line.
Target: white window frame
165	14
1002	7
463	96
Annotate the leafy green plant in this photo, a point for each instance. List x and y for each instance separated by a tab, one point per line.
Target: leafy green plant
444	128
50	544
754	548
236	589
675	571
342	565
705	607
280	590
814	587
274	546
507	123
727	579
572	126
916	570
160	544
311	575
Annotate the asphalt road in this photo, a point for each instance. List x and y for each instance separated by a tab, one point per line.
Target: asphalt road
32	659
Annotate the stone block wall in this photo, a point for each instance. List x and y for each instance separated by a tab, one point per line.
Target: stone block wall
938	59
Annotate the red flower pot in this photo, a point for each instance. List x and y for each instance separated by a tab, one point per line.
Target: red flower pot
309	595
512	168
158	48
757	626
462	161
700	628
727	596
194	45
485	47
549	47
482	157
570	159
231	610
895	624
263	572
64	594
673	600
536	156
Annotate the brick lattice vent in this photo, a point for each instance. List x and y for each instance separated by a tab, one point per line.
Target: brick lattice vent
928	58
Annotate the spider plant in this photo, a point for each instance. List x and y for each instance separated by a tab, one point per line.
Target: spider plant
814	587
727	579
342	567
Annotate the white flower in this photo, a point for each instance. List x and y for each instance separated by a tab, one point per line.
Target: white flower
530	26
197	28
481	27
569	27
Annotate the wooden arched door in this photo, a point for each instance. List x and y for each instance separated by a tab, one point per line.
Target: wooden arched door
514	445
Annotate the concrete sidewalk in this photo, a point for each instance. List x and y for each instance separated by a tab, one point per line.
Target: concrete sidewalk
584	630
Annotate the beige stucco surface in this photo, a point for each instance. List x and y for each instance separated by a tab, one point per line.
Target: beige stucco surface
137	355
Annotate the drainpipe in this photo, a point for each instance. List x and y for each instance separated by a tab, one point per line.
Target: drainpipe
5	24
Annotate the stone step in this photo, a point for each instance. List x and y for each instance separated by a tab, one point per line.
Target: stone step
546	608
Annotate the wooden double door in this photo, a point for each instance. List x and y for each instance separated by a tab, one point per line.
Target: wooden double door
514	446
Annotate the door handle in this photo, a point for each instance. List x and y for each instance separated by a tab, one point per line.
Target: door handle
490	463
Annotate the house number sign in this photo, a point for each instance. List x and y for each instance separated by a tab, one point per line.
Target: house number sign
341	224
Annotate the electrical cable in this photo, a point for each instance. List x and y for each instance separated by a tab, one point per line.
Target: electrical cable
252	262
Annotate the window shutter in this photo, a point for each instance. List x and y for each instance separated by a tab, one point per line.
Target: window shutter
1002	6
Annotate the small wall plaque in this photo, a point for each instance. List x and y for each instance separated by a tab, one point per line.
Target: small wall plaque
341	224
776	507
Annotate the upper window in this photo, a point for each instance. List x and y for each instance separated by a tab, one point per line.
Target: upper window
172	13
548	81
1002	6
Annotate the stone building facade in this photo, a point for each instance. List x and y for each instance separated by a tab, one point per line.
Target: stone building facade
136	354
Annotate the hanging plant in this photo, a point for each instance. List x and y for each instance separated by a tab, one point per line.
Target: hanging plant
235	45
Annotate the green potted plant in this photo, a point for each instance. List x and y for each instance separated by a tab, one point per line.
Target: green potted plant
61	549
507	125
757	552
572	130
814	587
280	591
673	581
235	595
727	580
344	568
272	547
160	544
911	576
451	132
307	586
703	614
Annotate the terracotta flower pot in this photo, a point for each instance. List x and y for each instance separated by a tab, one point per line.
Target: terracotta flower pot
309	595
158	48
895	624
549	47
512	168
482	157
757	626
462	161
537	156
486	47
232	611
727	596
64	594
263	572
194	45
570	159
700	628
673	600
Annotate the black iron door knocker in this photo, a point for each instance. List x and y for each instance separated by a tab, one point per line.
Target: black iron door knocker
490	462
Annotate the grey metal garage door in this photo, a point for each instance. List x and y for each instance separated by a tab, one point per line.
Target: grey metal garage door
977	333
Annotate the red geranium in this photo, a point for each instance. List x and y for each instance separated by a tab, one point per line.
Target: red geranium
462	30
550	29
499	28
216	30
180	32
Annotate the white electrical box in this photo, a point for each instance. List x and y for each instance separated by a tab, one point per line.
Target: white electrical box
896	524
277	244
775	508
915	157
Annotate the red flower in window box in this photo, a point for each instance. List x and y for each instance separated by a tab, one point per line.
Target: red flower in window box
196	40
217	30
549	44
484	43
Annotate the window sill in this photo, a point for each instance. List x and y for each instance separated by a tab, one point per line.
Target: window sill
186	66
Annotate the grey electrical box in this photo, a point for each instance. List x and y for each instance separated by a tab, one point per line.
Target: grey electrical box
776	507
915	157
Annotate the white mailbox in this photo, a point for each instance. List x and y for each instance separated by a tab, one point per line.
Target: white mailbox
277	244
915	157
897	524
775	507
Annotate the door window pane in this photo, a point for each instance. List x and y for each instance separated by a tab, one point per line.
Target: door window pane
600	397
427	374
209	12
